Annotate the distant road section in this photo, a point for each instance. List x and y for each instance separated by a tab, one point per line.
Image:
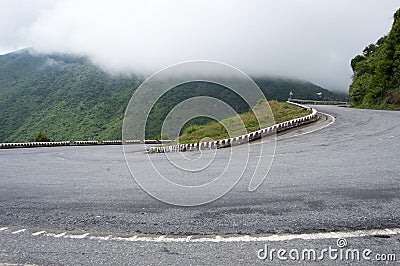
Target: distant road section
342	177
319	102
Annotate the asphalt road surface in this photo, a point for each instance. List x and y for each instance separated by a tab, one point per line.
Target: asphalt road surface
80	205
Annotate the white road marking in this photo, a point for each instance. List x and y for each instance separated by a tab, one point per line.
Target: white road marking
38	233
101	237
299	134
60	158
272	238
248	238
245	238
59	235
311	131
77	236
160	239
224	239
18	231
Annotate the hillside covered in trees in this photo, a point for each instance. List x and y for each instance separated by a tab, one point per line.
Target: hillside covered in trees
70	98
376	80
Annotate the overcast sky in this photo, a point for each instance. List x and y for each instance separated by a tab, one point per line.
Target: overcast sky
307	39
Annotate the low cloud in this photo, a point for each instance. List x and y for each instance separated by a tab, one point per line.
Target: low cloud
311	40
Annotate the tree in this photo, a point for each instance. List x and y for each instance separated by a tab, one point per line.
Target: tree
41	137
370	49
376	79
355	62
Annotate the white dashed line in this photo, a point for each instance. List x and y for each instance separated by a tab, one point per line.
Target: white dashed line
38	233
248	238
160	239
311	131
58	235
19	231
101	237
77	236
221	239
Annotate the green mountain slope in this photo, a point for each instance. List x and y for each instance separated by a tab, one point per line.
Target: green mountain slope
376	80
65	96
69	98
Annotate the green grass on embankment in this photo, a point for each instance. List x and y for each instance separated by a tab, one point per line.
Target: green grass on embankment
216	131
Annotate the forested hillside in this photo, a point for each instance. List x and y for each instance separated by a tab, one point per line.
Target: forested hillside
64	96
376	81
69	98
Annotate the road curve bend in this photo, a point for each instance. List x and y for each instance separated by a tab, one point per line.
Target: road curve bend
342	177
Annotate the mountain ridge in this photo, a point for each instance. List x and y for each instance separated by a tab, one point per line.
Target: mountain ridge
70	98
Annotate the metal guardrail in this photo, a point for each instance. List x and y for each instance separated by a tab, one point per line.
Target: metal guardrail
34	144
77	143
318	102
193	146
240	139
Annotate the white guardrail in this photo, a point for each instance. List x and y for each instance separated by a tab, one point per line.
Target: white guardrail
319	102
181	147
243	138
77	143
34	144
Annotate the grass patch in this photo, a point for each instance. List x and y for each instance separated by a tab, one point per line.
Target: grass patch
244	123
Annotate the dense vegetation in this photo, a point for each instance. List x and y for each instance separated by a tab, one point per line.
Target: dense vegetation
41	137
69	98
216	131
376	80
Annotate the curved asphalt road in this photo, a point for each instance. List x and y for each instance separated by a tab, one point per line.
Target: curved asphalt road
344	177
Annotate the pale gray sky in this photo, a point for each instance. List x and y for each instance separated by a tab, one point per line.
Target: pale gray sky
307	39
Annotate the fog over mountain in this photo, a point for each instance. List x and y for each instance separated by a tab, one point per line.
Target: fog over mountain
307	39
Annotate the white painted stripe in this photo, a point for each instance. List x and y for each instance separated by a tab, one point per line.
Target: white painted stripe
224	239
311	131
244	238
273	238
38	233
77	236
60	235
300	134
19	231
101	237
